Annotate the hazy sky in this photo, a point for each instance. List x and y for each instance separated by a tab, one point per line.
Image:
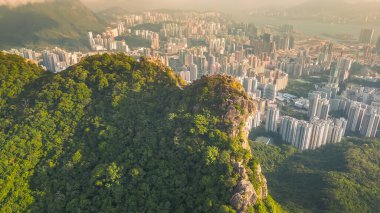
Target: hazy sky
18	2
224	5
189	4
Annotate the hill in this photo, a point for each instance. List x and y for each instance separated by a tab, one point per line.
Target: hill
112	134
62	23
338	11
113	13
344	177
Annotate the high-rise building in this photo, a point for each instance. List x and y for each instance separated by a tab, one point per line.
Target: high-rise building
331	90
272	118
314	98
193	72
355	116
378	45
314	134
336	130
270	92
247	84
255	84
341	71
51	61
155	41
323	108
366	36
254	121
288	128
319	133
28	54
303	135
370	123
342	123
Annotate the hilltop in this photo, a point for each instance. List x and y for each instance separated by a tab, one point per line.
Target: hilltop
112	133
55	23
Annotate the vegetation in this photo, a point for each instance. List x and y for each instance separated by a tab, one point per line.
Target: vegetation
343	177
112	14
112	134
135	41
193	42
364	83
362	70
148	26
286	110
302	86
64	23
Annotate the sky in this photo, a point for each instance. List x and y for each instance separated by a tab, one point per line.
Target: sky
14	3
222	5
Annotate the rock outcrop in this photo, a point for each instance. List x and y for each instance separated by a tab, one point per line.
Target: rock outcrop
244	192
235	108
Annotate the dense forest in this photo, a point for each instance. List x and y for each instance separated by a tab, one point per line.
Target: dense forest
342	177
116	134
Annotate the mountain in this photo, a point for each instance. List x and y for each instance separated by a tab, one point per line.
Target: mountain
63	23
338	11
113	13
113	134
342	177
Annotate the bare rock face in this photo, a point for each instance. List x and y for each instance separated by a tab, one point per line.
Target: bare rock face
238	116
244	194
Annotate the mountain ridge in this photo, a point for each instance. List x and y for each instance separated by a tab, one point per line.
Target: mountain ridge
57	23
113	133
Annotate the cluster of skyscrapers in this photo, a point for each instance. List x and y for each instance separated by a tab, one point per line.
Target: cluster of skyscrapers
305	134
25	53
319	105
341	71
265	85
107	41
361	106
363	119
54	60
311	135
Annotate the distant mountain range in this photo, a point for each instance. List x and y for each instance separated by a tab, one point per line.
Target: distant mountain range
336	7
59	23
339	11
329	11
112	13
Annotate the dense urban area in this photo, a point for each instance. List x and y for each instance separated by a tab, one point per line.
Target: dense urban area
317	108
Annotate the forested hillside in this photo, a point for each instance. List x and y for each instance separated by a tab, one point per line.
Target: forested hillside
113	134
62	23
342	177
